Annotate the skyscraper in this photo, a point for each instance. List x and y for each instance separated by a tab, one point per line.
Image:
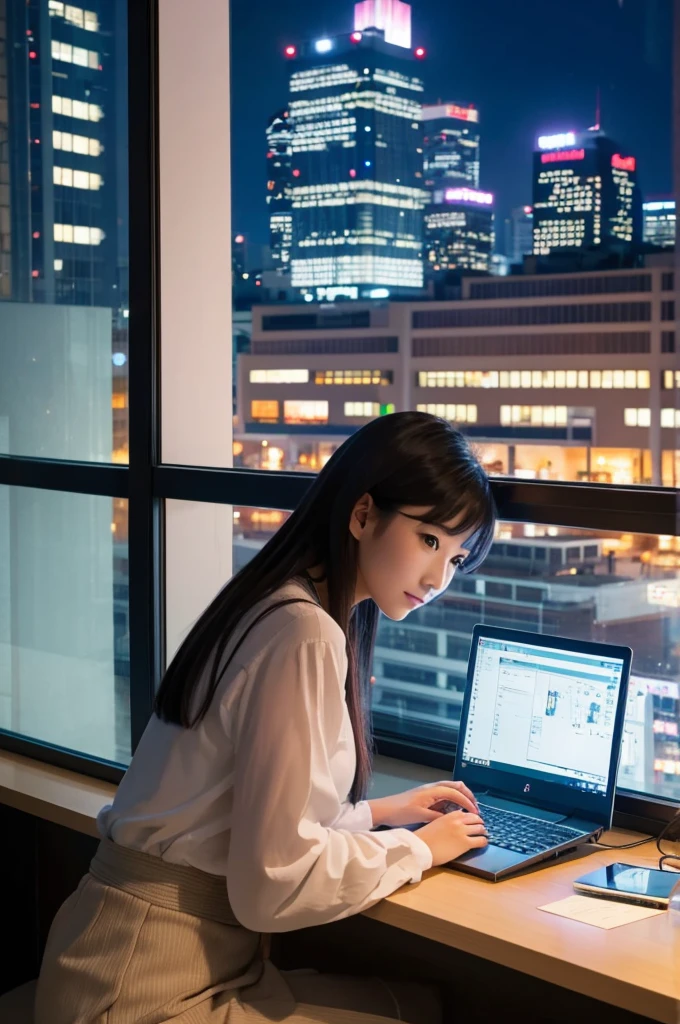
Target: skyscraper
519	233
65	136
451	143
459	229
279	147
357	180
586	195
659	222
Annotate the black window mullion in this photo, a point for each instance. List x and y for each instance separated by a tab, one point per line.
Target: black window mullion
145	513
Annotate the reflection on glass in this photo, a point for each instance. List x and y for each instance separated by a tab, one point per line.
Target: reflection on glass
612	588
64	303
64	620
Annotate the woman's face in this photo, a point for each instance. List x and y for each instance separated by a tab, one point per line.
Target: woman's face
404	563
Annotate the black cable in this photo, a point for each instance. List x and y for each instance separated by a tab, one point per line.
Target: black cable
623	846
675	821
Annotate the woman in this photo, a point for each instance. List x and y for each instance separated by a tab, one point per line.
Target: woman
256	764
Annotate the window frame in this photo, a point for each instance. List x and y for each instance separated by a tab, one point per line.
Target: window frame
146	483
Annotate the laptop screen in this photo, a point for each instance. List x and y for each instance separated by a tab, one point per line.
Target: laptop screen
543	713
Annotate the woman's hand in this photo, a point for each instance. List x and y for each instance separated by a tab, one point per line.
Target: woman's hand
452	835
417	804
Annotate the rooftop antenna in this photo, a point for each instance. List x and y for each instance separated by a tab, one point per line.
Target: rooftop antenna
598	112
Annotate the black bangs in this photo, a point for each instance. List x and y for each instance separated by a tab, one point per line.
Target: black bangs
475	509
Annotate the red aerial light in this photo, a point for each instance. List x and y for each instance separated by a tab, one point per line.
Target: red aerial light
356	37
296	173
36	234
32	54
420	52
35	106
239	240
35	273
352	173
290	51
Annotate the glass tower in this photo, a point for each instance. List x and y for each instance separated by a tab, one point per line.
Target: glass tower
357	166
279	139
451	143
586	195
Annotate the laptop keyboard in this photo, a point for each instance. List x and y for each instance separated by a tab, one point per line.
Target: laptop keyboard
523	834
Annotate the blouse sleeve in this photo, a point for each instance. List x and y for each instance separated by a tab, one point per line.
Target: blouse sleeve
285	869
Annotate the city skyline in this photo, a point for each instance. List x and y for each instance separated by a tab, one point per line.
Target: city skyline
635	108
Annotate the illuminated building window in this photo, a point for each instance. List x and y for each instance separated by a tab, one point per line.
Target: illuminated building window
670	418
76	143
264	411
75	55
69	178
305	412
537	379
455	413
640	417
360	377
76	108
119	401
279	377
74	15
534	415
364	409
78	234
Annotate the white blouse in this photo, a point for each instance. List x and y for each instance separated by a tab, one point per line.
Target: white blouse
258	791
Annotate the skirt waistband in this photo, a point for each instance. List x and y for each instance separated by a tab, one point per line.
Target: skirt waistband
171	886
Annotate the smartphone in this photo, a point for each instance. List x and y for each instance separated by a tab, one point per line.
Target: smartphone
648	887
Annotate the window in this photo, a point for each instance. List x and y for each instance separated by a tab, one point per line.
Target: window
362	409
76	179
637	417
354	377
279	376
305	412
76	108
76	144
668	309
456	413
266	411
64	617
519	316
534	415
553	344
75	55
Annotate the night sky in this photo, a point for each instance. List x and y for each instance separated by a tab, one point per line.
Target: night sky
531	66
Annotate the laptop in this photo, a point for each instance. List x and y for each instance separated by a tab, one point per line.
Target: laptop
539	744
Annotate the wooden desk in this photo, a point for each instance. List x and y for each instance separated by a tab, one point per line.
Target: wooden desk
636	966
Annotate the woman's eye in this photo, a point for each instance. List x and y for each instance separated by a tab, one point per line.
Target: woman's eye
427	537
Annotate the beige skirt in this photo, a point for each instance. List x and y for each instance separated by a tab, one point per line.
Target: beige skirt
146	942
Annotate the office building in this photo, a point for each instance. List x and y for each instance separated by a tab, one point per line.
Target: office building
451	143
659	223
357	194
519	234
66	134
459	229
279	180
586	195
568	376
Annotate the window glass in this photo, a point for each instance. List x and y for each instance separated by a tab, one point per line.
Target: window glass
615	588
64	620
392	235
64	299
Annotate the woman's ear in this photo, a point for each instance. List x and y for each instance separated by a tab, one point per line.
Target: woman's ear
360	515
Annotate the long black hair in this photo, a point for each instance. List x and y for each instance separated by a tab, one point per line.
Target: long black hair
407	458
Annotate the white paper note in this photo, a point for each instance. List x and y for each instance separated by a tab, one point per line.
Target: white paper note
601	913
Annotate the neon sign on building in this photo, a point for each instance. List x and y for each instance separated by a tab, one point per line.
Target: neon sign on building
563	154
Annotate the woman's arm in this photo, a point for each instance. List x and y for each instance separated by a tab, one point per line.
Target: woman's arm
286	870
